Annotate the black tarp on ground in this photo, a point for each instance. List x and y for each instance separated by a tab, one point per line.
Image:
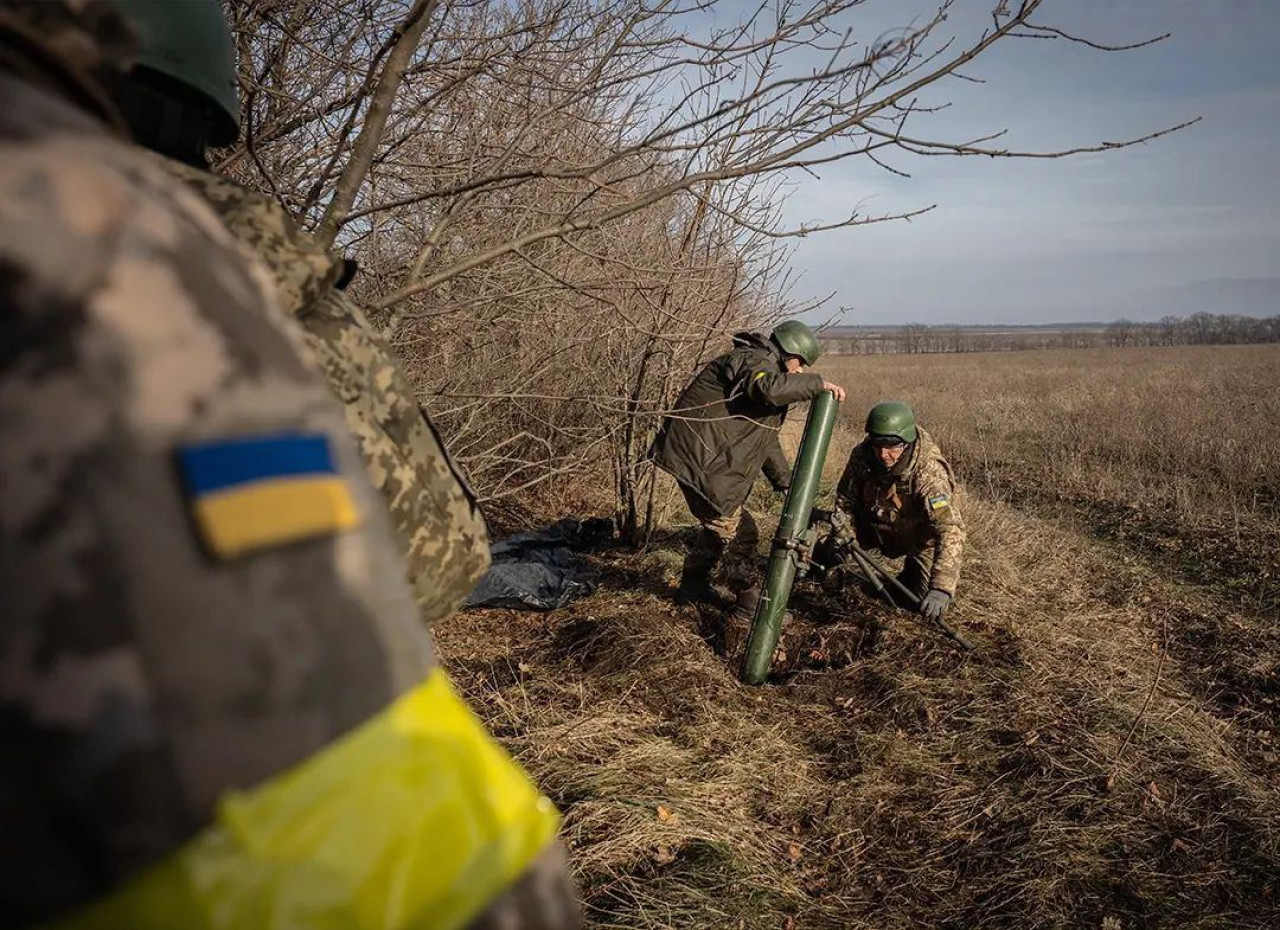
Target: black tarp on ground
542	569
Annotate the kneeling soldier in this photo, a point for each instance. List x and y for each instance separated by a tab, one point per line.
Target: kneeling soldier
899	494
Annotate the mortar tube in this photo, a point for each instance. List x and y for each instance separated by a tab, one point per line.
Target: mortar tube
785	556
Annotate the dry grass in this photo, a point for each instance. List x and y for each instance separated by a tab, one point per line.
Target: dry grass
1187	428
1108	758
1177	448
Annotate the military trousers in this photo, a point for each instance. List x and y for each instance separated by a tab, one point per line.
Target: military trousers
724	541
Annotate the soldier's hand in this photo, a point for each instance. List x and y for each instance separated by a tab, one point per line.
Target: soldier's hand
935	604
835	389
841	526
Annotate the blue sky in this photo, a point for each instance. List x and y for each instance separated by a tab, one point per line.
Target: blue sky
1190	222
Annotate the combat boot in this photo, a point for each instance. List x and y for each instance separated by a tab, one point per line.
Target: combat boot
744	605
696	588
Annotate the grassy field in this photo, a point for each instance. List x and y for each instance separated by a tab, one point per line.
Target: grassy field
1108	758
1177	450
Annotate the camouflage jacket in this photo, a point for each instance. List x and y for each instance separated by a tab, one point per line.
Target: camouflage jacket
439	526
907	508
145	669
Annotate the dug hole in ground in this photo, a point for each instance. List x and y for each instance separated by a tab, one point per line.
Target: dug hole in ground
1107	758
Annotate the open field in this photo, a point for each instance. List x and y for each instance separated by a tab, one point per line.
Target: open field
1177	449
1109	757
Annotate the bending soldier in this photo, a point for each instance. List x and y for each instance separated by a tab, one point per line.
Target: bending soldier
722	433
219	707
897	493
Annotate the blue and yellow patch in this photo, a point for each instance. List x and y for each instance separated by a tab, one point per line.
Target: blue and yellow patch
254	493
942	500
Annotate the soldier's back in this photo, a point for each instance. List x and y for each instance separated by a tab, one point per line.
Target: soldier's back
437	521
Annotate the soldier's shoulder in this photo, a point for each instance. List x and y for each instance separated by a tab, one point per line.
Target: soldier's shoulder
101	240
301	267
858	460
932	469
857	468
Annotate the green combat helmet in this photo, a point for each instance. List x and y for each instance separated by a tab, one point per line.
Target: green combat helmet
190	43
892	418
794	338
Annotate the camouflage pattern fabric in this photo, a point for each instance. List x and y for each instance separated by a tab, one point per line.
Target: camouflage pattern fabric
909	510
141	679
725	541
440	528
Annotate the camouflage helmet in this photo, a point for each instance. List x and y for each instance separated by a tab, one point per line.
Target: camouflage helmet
190	42
892	418
794	338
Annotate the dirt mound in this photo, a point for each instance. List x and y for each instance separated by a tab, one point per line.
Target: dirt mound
1104	759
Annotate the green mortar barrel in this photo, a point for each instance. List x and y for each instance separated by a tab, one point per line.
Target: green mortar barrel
789	553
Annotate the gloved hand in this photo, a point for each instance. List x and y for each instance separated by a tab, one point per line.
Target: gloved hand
783	486
935	604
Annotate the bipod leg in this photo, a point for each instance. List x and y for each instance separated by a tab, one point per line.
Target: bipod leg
872	570
869	570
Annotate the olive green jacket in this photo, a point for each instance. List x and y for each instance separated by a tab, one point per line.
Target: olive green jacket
724	428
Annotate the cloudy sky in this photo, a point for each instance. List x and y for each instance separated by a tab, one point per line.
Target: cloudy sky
1185	223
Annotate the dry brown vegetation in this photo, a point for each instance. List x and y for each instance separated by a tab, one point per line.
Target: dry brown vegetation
1107	758
1175	450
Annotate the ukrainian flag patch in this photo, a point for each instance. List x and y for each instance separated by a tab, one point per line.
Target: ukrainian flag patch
942	500
252	493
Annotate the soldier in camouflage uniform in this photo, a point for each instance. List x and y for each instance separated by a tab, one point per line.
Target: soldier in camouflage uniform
154	656
186	70
898	494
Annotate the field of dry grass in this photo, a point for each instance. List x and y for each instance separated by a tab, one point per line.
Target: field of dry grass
1108	757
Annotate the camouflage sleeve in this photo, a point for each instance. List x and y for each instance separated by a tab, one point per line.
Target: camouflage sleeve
849	488
936	490
147	665
438	523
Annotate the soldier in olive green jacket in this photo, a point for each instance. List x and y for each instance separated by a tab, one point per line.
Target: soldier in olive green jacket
722	433
899	494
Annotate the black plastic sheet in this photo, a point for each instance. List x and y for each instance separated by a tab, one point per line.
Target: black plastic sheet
542	569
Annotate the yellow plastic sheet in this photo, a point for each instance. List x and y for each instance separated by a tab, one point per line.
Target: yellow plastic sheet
415	820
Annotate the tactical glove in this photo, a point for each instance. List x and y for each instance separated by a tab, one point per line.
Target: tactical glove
783	486
935	604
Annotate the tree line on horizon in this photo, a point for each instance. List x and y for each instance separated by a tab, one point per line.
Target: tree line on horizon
1198	329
